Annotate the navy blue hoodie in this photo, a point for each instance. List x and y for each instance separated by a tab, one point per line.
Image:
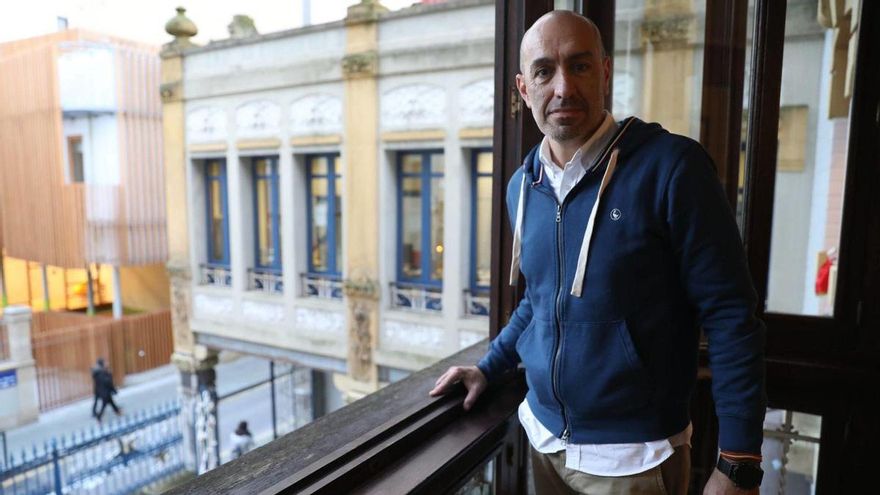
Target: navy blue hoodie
617	363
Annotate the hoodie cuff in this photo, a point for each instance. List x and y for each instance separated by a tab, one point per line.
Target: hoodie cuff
491	367
740	434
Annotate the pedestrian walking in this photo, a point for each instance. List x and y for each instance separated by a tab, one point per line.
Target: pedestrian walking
241	439
104	390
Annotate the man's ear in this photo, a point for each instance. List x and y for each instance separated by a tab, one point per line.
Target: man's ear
521	86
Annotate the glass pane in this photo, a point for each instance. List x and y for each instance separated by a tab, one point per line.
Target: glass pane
265	234
411	164
437	163
214	168
810	168
790	452
319	165
319	226
261	167
337	222
218	223
411	228
437	228
483	230
484	162
658	63
482	482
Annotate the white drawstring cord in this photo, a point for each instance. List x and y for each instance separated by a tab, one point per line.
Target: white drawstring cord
578	284
517	234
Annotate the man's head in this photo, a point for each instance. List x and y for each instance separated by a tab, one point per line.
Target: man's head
564	76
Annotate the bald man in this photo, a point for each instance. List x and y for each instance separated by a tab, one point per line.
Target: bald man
628	247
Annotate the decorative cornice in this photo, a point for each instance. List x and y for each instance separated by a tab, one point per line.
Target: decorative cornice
171	92
366	11
668	30
364	64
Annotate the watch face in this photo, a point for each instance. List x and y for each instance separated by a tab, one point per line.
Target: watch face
746	476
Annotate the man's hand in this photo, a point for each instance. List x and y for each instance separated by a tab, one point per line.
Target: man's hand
470	376
719	484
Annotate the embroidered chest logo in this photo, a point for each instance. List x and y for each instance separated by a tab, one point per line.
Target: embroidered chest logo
616	214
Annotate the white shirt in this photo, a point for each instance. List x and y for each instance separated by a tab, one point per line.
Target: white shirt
619	459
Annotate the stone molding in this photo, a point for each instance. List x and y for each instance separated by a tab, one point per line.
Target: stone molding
357	65
669	30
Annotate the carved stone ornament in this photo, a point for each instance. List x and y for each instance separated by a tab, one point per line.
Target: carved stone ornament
411	336
260	312
322	321
206	431
361	342
206	124
477	102
363	288
363	64
667	30
316	114
413	105
257	119
205	306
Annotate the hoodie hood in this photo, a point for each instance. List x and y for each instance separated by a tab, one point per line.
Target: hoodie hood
631	133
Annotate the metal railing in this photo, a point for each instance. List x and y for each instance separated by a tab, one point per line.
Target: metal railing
122	457
321	285
219	276
271	282
476	302
416	297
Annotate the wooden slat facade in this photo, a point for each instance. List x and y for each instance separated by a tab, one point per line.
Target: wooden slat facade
66	346
46	218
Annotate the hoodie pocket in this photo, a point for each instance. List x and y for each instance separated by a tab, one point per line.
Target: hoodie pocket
535	347
600	373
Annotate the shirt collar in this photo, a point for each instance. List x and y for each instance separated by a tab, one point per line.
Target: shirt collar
586	155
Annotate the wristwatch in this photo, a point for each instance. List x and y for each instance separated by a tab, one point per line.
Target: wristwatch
745	475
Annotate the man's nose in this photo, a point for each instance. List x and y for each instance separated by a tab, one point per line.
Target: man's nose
562	84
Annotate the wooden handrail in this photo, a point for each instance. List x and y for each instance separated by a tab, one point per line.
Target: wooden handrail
397	440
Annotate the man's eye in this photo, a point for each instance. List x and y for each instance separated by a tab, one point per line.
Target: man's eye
542	72
581	67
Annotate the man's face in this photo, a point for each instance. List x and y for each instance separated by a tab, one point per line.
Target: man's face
565	78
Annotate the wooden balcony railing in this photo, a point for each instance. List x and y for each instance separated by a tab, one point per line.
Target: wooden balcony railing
397	440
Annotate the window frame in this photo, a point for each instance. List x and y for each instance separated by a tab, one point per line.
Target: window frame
332	269
274	188
224	197
425	176
73	140
476	175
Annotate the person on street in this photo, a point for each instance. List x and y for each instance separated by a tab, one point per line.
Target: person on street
241	439
104	389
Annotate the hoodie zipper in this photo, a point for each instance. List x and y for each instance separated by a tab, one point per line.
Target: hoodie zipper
554	374
560	266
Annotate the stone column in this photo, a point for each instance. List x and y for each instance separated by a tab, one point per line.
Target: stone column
668	33
19	400
197	390
361	177
198	409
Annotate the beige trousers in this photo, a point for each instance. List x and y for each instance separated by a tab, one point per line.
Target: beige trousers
669	478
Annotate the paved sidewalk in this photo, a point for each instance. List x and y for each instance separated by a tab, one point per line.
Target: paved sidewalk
140	392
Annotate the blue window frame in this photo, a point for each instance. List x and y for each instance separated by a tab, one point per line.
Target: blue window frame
420	217
217	213
324	210
267	215
481	219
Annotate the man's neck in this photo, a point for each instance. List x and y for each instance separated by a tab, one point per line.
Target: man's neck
561	152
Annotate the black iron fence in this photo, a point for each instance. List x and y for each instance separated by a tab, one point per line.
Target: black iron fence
121	457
